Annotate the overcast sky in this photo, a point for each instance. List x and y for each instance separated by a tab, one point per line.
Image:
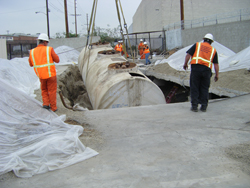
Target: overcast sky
18	16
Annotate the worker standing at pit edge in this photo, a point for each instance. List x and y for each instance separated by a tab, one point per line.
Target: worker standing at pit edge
42	58
147	53
141	49
118	47
203	57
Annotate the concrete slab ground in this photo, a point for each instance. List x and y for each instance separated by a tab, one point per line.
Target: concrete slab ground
161	146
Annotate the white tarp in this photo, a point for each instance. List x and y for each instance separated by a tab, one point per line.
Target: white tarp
33	140
18	73
228	60
67	55
240	60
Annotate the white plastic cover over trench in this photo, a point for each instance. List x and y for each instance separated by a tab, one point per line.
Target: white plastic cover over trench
228	60
111	89
33	140
176	60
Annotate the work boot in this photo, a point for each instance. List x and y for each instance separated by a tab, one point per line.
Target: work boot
203	108
194	109
46	107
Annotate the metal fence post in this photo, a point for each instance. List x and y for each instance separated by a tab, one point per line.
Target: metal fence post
10	50
21	50
240	14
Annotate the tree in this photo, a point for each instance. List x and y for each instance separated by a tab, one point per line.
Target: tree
108	35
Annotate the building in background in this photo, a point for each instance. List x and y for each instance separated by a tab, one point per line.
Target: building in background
154	15
159	23
19	44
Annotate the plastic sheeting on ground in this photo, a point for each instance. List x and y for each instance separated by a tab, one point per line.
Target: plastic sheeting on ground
67	55
240	60
19	74
227	58
34	140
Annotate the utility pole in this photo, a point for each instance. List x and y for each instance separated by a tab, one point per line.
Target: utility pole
66	19
182	14
47	14
87	23
75	17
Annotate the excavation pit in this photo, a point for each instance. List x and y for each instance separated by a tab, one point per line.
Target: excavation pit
74	91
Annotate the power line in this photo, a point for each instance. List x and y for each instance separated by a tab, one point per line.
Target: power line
57	9
20	10
60	4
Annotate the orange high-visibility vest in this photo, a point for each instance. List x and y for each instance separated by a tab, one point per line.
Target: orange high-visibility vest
204	54
42	62
118	48
146	51
140	46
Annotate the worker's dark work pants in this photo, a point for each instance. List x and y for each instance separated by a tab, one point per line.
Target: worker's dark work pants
199	84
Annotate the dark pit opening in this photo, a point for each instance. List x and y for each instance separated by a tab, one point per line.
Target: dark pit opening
136	74
175	92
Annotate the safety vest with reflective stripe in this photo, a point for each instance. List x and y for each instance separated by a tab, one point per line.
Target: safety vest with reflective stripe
118	48
146	51
42	62
204	54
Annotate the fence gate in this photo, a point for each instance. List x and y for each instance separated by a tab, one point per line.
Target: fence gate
19	48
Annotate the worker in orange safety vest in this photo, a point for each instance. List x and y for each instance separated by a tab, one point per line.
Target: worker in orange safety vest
146	52
42	59
118	47
141	49
203	56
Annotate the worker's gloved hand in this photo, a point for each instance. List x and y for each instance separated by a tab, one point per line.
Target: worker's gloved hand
216	78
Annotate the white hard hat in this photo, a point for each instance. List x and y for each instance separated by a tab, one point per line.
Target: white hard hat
209	36
121	41
141	40
43	37
145	43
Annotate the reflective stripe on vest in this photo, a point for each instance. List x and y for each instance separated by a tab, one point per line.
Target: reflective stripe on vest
197	57
34	62
45	65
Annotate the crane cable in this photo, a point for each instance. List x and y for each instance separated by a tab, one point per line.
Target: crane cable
125	26
93	26
93	6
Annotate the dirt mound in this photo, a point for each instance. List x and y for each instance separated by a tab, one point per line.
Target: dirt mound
72	87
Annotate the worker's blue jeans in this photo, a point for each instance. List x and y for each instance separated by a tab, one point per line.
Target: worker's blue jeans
199	85
147	58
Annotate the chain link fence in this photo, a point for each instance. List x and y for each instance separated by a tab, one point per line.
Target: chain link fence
156	44
234	16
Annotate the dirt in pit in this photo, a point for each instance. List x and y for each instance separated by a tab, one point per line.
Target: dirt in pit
240	153
71	84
